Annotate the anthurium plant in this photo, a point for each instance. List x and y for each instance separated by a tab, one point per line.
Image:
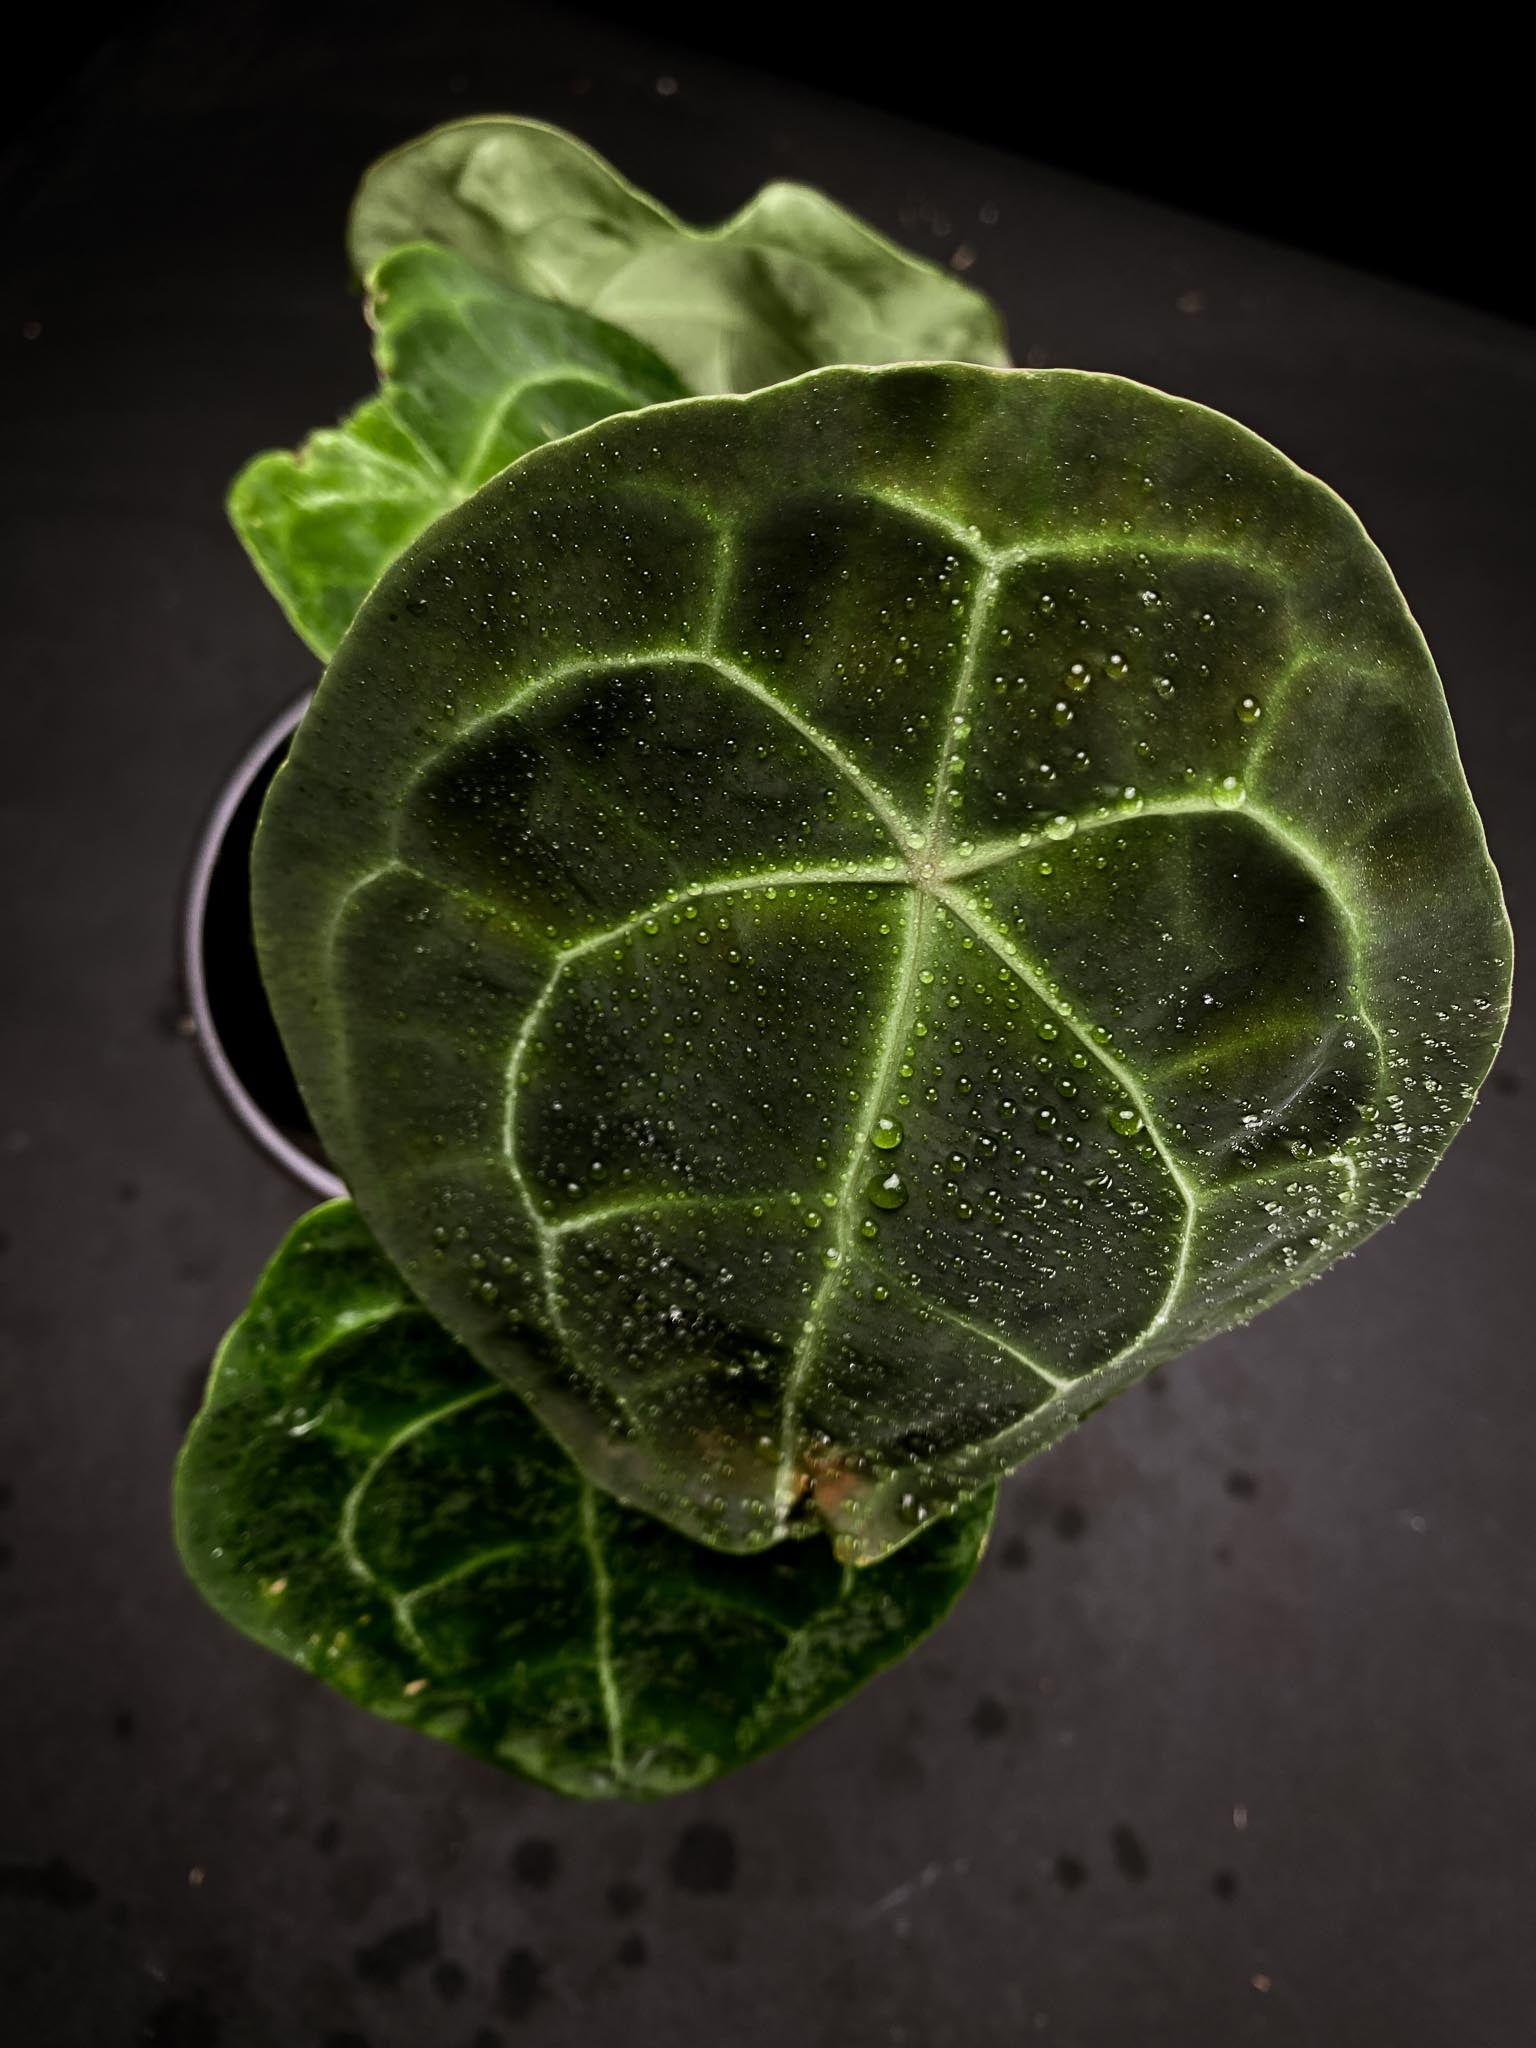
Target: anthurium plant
837	904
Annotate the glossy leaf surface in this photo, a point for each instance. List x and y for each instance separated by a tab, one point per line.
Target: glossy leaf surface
830	931
362	1498
788	284
472	375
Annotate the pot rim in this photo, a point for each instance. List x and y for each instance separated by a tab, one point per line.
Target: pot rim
241	1104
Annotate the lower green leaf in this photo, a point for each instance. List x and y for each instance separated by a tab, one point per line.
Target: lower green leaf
360	1496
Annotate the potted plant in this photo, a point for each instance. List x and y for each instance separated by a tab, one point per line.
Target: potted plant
837	904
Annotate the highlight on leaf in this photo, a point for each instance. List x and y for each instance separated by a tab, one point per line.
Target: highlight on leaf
361	1497
790	283
472	374
830	931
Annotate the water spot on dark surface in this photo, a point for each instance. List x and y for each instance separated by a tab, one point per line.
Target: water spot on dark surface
54	1883
181	2023
328	1837
1130	1852
450	1980
346	2039
704	1858
1224	1884
127	1191
486	2037
633	1952
1222	1553
536	1862
520	1983
1243	1485
7	1556
624	1898
7	1493
1014	1555
386	1960
124	1727
1156	1383
6	1241
1070	1522
1506	1081
988	1717
1070	1872
189	1395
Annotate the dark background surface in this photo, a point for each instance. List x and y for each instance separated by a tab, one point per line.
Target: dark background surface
1228	1744
1401	152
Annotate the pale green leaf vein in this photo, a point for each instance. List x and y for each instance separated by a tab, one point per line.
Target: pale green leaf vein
883	1068
602	1629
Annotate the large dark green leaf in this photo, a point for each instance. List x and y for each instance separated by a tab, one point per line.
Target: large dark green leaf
787	284
472	375
830	931
359	1496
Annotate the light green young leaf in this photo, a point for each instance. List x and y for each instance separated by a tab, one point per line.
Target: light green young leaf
889	907
361	1497
472	374
788	284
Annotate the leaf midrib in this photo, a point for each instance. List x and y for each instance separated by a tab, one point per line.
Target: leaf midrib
887	1057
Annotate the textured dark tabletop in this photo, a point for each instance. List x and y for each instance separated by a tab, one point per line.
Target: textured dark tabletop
1231	1740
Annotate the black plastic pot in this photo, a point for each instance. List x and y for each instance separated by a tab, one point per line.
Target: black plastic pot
228	1005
